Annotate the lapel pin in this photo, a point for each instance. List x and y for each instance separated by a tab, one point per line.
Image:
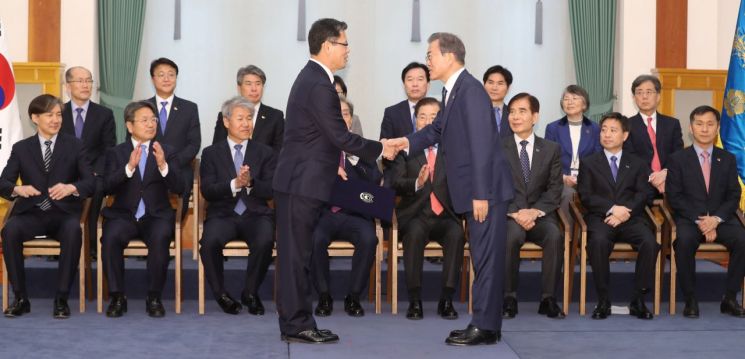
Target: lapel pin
627	167
538	150
263	117
175	108
719	159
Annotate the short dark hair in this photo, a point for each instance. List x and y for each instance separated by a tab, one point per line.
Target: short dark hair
132	107
535	106
575	90
322	30
43	104
162	61
424	102
450	43
414	65
250	70
644	78
500	70
616	116
698	111
340	81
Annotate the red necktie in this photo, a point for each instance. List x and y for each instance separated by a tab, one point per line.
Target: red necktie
335	209
656	166
436	205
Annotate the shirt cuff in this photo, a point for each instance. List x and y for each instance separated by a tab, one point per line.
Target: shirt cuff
128	172
233	188
164	171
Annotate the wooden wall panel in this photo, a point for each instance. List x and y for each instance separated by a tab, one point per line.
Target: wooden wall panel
44	30
672	34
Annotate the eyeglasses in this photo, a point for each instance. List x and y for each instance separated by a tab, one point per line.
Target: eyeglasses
345	44
571	99
644	93
170	75
81	81
146	120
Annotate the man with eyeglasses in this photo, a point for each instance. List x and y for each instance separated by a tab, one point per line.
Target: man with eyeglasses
178	120
653	136
94	125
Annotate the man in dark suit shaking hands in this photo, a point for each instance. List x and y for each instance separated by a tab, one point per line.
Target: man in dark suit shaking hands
478	175
315	136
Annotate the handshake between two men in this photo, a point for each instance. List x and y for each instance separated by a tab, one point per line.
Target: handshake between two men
392	146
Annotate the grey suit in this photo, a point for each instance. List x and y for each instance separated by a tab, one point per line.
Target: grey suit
542	192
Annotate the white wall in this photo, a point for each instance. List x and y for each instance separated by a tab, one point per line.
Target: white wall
216	40
635	48
14	15
79	37
725	23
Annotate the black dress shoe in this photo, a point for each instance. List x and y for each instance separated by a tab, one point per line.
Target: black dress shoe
639	310
415	311
474	336
253	304
117	306
460	332
154	307
509	308
311	336
353	307
550	308
61	309
445	309
602	310
228	304
691	308
732	307
325	305
19	307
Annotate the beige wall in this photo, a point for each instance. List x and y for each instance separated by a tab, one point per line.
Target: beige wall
635	48
14	14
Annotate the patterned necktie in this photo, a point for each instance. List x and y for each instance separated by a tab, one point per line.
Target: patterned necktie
141	166
434	202
240	207
444	96
525	161
79	123
335	209
498	116
614	167
46	203
656	166
706	168
163	117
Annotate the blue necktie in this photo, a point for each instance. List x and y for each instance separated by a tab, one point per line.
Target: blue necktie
498	116
614	167
240	207
163	116
143	161
525	161
79	123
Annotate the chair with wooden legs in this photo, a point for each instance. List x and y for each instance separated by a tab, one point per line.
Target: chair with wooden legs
138	248
46	246
709	251
194	202
621	251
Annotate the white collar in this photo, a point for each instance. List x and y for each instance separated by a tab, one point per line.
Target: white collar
135	143
451	80
159	100
232	144
530	139
328	71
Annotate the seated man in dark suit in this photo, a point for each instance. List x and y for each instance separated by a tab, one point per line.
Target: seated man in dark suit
614	190
341	91
56	177
653	137
94	125
536	173
497	82
425	213
703	191
236	181
399	120
178	121
139	173
339	224
268	122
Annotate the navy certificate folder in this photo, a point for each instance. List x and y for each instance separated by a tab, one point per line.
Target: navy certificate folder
364	198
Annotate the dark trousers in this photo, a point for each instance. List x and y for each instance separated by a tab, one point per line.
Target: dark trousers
730	234
487	246
62	226
600	240
95	209
545	234
345	227
297	217
256	231
157	234
416	233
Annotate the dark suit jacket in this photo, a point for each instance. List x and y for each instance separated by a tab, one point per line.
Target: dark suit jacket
153	188
99	132
504	126
465	129
405	172
668	135
396	121
589	140
686	190
544	188
183	133
68	165
269	128
599	192
315	134
217	170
